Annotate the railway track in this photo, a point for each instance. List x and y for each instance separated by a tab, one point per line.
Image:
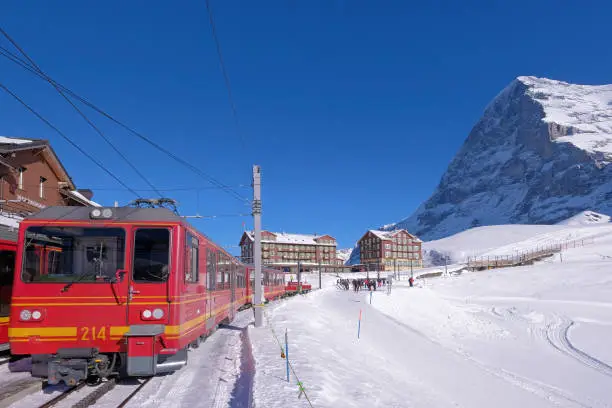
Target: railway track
53	402
92	397
133	393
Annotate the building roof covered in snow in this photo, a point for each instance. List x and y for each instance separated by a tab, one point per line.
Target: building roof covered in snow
295	239
389	235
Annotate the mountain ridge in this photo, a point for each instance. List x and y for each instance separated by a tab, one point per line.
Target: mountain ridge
539	154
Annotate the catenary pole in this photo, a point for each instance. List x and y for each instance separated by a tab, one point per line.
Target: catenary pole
257	247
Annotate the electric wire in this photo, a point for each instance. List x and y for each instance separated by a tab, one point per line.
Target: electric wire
69	140
91	124
17	60
228	85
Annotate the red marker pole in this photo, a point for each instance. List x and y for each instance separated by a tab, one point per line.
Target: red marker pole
359	324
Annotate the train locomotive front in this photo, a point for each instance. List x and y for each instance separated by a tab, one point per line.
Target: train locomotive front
116	291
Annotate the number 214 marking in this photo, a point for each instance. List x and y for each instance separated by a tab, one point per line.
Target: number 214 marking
93	333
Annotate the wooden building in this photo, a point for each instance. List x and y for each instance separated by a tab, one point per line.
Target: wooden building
390	250
286	250
32	178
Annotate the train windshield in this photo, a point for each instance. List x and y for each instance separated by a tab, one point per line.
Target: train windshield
69	254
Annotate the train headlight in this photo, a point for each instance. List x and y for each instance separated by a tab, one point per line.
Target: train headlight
36	315
158	313
146	314
98	213
25	315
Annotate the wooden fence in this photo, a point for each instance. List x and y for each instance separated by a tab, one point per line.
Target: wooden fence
524	257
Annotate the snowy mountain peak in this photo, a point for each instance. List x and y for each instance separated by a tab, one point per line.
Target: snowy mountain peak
344	253
577	114
539	154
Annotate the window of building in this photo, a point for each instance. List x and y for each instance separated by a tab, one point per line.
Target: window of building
387	254
41	187
20	182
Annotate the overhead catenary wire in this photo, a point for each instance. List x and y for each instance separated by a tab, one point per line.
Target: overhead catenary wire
91	124
228	189
186	188
69	140
228	85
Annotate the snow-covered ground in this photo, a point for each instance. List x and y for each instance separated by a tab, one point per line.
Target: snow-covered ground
532	336
510	239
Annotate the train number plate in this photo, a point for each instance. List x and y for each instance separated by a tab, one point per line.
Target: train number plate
93	333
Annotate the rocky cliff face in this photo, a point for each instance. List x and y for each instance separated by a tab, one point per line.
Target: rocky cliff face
539	154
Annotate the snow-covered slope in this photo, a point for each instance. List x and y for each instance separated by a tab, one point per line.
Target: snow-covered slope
495	240
586	218
539	154
344	254
477	241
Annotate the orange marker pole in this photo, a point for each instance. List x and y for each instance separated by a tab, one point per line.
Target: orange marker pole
359	324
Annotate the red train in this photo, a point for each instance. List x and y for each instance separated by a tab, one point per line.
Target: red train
120	291
7	265
294	287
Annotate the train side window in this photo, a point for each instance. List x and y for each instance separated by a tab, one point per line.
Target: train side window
241	279
228	271
220	271
7	267
211	268
152	255
192	271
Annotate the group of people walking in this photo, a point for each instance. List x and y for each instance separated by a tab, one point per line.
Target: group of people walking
362	283
367	283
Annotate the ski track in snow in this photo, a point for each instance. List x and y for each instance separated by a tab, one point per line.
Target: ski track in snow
557	335
540	389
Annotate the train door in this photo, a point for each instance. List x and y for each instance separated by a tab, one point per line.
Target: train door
211	282
7	267
148	280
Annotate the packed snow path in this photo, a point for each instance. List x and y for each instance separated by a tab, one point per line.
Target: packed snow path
439	346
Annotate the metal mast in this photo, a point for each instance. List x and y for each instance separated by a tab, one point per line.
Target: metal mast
257	301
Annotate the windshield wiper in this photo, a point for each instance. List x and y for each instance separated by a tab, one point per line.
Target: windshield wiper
80	278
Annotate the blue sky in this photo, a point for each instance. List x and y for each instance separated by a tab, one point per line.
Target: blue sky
352	108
